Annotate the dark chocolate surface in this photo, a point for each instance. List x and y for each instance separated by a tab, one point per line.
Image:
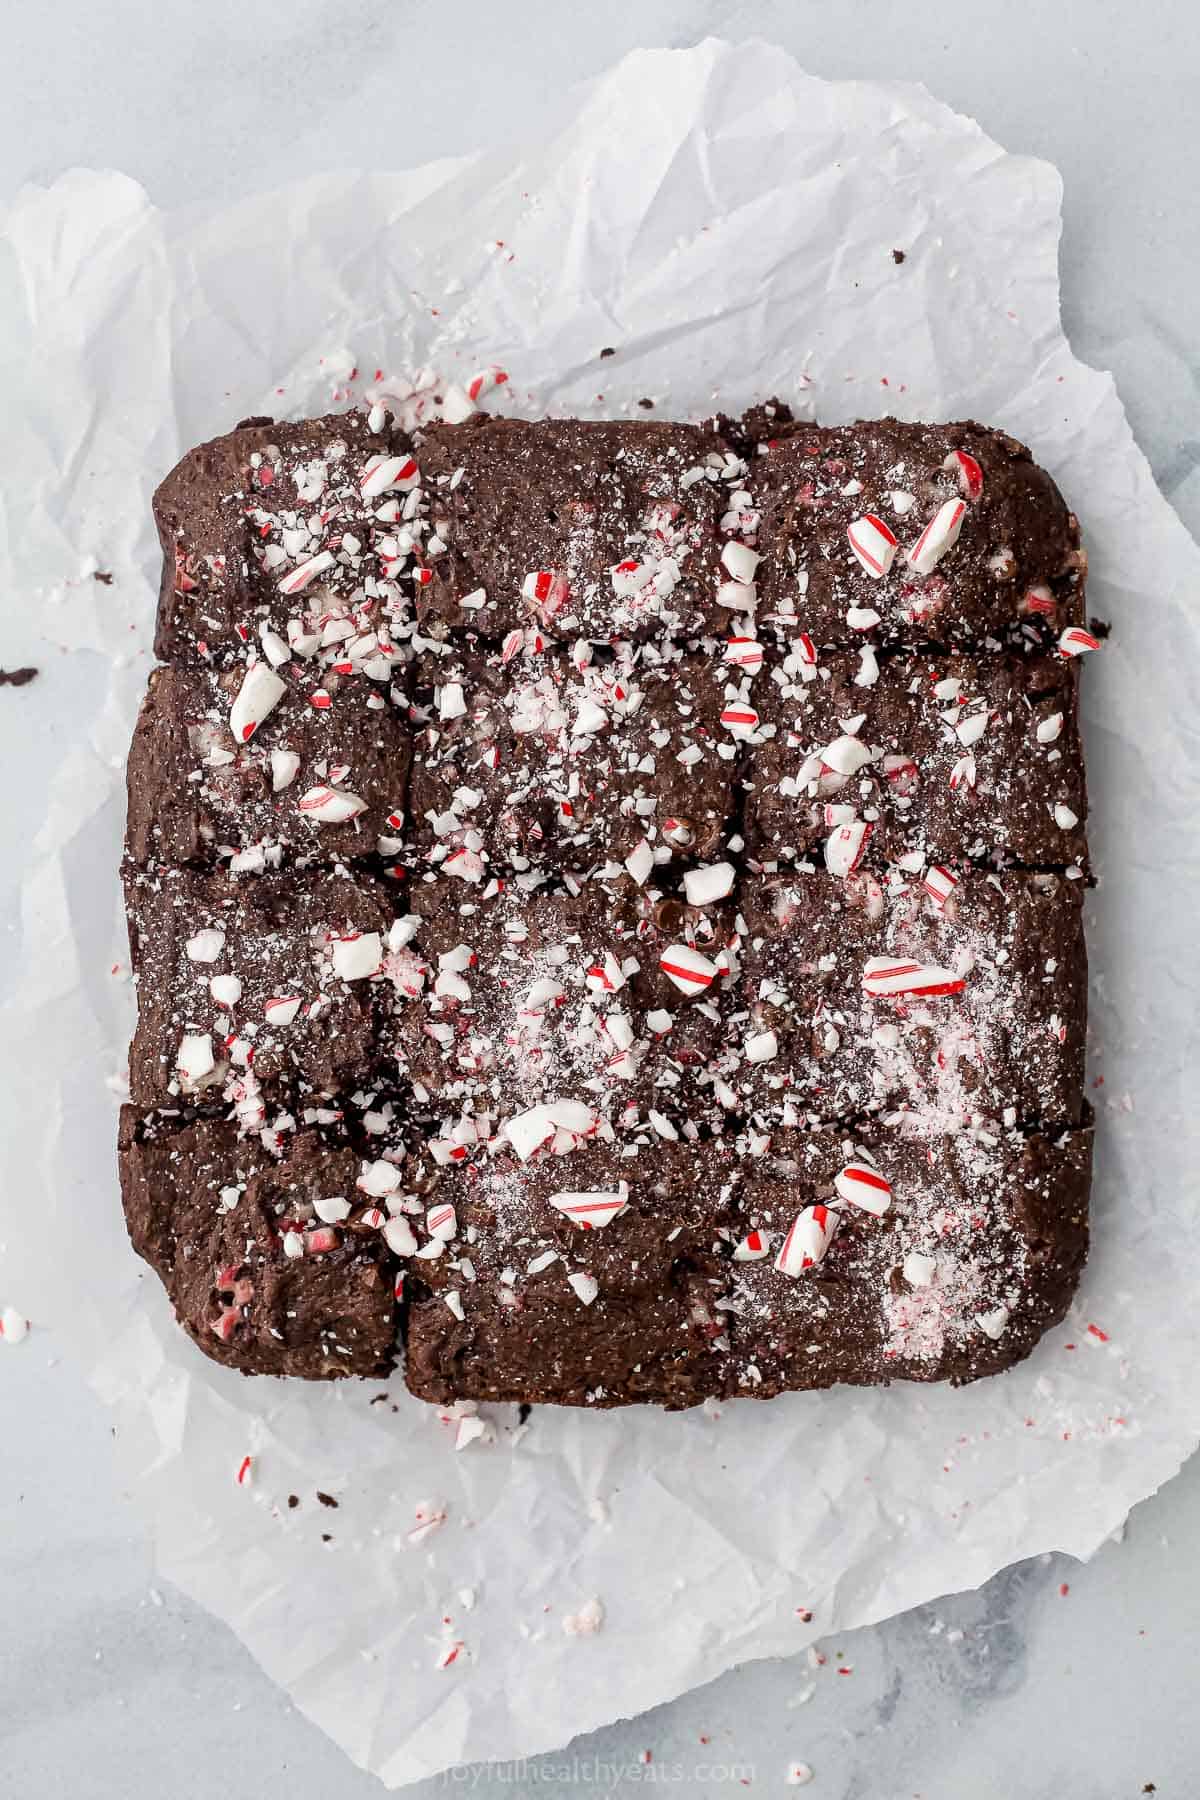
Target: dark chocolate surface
605	916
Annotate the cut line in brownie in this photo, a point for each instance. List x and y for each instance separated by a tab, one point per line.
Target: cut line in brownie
599	1280
901	756
261	1266
323	774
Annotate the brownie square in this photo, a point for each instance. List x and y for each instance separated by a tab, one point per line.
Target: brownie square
622	520
937	1012
527	995
259	1281
541	759
257	508
941	755
249	987
977	1254
324	775
1012	557
527	1304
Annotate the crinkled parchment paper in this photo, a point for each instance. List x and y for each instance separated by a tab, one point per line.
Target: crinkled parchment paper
726	224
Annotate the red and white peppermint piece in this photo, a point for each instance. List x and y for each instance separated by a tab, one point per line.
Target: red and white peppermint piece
282	1009
739	720
844	847
862	1186
761	1047
260	693
919	1269
592	1211
745	653
845	756
321	1241
205	946
358	956
14	1326
806	650
753	1247
940	535
1039	599
585	1286
441	1222
194	1059
387	472
285	766
808	1239
1049	729
226	990
1077	642
330	806
740	562
939	884
484	383
466	864
400	1237
963	774
970	475
545	588
873	543
299	578
709	883
691	972
885	977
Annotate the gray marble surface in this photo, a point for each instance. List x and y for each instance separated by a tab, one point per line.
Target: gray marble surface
1054	1682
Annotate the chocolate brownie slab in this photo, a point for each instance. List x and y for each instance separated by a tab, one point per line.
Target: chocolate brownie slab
258	1255
245	984
544	827
323	773
570	761
309	532
913	534
955	1001
597	529
945	755
677	1272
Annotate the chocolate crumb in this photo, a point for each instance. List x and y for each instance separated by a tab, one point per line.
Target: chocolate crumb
103	576
648	404
898	257
1099	628
17	677
326	1499
327	1537
523	1412
607	352
293	1501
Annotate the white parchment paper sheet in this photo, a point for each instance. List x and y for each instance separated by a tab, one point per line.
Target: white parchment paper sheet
726	223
